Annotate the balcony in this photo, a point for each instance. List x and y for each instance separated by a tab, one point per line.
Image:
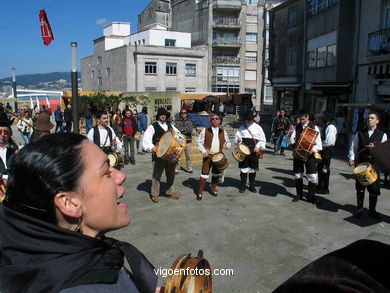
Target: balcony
379	43
226	60
227	4
226	42
226	23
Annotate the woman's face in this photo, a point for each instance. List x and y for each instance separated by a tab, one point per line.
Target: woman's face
101	188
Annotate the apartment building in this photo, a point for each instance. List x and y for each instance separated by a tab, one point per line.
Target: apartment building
232	31
154	60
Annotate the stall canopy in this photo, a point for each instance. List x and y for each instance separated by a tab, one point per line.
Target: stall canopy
200	96
68	94
367	106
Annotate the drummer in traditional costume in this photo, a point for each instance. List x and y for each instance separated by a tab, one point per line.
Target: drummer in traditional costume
150	144
328	135
7	150
359	152
211	141
299	165
252	135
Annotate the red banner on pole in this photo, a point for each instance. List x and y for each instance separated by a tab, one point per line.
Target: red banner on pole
47	34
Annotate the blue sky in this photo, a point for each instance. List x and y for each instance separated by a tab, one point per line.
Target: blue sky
78	21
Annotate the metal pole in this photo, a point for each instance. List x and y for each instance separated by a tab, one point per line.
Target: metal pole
75	94
14	88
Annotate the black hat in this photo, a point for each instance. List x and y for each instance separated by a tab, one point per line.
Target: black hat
248	116
4	121
161	111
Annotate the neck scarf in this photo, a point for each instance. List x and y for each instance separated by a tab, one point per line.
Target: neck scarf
37	256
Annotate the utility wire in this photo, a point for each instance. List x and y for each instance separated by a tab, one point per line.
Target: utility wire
29	16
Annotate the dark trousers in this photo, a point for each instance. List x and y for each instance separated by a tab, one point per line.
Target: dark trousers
58	126
278	143
69	126
324	168
128	141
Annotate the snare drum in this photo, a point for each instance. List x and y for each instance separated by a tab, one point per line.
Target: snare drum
305	144
241	152
171	146
116	160
220	161
365	173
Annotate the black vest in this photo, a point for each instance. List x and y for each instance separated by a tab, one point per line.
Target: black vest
96	136
364	154
298	131
159	131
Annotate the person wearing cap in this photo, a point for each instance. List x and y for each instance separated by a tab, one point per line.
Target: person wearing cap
42	126
104	136
311	164
150	141
362	144
211	140
252	135
328	135
7	150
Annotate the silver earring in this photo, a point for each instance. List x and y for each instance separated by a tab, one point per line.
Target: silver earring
78	226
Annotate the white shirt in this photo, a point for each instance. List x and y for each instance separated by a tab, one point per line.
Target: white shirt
147	142
353	148
105	139
256	131
24	126
214	148
330	136
318	145
3	156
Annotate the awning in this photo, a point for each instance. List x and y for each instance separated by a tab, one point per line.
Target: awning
286	86
8	100
68	94
199	96
366	106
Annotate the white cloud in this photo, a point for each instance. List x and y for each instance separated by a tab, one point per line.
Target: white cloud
101	21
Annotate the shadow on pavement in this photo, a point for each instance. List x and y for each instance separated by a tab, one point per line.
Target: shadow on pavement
278	170
272	189
287	181
147	185
348	176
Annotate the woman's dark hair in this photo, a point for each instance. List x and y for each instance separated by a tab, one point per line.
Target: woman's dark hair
42	169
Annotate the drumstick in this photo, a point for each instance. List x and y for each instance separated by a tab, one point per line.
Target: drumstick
365	148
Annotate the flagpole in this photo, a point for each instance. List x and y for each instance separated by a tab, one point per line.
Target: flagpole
75	94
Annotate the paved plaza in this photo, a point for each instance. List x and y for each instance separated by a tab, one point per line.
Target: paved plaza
263	237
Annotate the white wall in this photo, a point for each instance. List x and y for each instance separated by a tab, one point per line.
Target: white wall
111	43
157	38
116	29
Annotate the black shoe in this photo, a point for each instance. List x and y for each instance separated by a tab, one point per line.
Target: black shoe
325	191
374	215
358	213
283	154
126	162
198	197
141	153
252	189
132	162
296	198
241	190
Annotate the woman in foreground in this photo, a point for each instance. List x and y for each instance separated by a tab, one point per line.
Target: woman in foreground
62	197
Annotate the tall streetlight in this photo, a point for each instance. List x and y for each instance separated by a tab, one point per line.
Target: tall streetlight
14	88
75	94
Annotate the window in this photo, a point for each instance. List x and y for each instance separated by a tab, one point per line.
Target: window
170	89
252	2
251	57
321	57
292	17
312	59
250	74
143	41
100	80
386	14
331	55
170	42
315	6
190	69
150	89
268	96
108	71
150	67
251	18
251	37
92	74
226	88
99	60
190	89
291	56
171	68
229	74
251	91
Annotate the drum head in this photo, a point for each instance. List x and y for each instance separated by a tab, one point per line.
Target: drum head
164	144
217	157
360	168
244	149
113	159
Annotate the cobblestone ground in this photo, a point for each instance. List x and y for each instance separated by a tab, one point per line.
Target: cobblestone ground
263	237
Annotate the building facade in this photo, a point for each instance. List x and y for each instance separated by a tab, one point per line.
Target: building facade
232	31
155	60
